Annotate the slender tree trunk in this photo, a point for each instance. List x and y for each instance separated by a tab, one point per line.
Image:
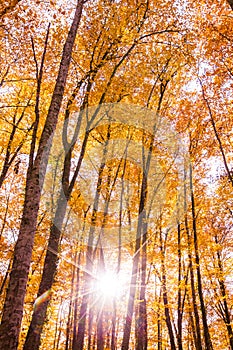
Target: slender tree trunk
51	259
59	326
207	338
141	239
197	338
134	275
90	325
79	343
71	305
165	296
142	316
113	335
10	156
4	282
179	304
191	326
74	340
217	135
100	332
100	327
227	317
89	253
159	323
14	302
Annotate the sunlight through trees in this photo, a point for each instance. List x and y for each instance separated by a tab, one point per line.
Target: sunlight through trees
116	175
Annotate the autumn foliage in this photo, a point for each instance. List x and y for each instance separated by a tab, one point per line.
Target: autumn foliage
116	175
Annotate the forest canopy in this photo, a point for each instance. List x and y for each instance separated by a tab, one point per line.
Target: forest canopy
116	175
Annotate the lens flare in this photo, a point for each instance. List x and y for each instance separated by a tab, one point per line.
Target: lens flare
40	300
109	285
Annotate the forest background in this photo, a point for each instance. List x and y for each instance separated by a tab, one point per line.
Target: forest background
116	174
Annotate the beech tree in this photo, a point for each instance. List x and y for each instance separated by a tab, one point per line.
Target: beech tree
13	311
116	175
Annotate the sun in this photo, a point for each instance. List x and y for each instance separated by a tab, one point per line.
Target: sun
108	285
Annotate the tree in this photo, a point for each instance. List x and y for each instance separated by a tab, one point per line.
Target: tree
12	313
137	194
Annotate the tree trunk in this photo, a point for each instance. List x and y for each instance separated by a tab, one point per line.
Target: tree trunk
51	259
75	321
230	2
89	254
179	304
165	296
113	335
227	317
191	327
142	315
141	238
100	315
197	337
69	325
4	282
14	302
207	338
11	155
159	323
181	296
134	274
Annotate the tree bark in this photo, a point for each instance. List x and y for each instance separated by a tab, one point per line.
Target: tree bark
207	338
179	303
89	254
134	274
197	335
142	315
14	302
51	259
227	317
230	2
165	296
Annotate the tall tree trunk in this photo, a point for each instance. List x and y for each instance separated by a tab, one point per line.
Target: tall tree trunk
141	239
134	274
158	311
75	321
89	253
142	316
197	337
227	317
165	296
90	339
14	302
179	303
191	326
159	323
51	259
207	338
57	335
71	305
100	328
113	335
